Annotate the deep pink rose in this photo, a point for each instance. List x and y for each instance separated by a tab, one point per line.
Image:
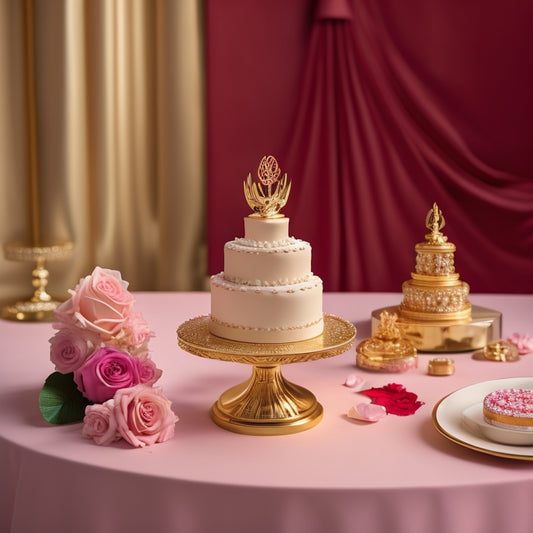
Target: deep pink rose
99	423
395	398
144	415
100	302
70	347
106	371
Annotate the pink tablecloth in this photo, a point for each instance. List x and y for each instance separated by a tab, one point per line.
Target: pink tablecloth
399	475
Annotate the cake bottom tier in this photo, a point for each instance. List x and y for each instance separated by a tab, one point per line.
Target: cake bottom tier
287	313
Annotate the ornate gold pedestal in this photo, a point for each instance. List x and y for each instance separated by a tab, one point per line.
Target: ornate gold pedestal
41	306
266	404
483	327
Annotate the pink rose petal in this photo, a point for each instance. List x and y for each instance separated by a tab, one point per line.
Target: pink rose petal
368	412
354	382
524	343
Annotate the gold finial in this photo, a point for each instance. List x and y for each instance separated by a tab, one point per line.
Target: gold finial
388	329
267	204
435	222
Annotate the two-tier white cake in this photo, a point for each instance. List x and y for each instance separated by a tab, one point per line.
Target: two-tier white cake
267	292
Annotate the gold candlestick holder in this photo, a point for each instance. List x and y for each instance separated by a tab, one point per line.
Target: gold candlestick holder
41	306
266	404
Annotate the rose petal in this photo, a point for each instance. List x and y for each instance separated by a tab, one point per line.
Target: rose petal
354	382
524	343
368	412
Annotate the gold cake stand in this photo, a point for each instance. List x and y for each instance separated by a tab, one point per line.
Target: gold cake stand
41	305
266	403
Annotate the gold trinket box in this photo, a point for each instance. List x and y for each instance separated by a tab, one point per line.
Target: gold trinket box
387	350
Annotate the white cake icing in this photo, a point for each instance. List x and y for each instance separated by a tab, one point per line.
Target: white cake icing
267	292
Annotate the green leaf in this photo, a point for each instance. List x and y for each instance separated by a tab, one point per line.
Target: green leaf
60	401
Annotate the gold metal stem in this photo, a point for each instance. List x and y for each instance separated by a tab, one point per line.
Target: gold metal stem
33	180
40	281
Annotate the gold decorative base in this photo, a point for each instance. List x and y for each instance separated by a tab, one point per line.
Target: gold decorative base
266	404
31	311
484	326
41	306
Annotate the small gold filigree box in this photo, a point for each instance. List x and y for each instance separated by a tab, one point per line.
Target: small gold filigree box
441	366
387	350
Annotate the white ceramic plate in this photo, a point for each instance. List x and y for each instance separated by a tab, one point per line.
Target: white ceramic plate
449	420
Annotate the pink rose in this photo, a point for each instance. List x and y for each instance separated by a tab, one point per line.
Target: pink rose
524	343
70	347
106	371
100	302
137	329
99	423
144	415
148	371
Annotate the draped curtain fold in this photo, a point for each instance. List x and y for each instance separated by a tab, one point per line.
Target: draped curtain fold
375	150
120	138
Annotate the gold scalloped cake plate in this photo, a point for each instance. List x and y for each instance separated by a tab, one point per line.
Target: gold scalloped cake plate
457	418
194	336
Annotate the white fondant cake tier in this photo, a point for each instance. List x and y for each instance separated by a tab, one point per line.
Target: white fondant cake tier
267	263
286	313
266	229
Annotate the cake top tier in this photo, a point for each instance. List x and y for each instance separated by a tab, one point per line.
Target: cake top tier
268	196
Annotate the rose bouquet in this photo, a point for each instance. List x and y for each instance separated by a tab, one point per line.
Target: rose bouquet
104	374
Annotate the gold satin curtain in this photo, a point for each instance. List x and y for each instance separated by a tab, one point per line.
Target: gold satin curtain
117	107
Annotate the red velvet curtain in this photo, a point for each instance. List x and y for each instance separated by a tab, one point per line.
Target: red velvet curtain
400	106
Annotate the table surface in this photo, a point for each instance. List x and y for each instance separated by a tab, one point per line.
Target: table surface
341	473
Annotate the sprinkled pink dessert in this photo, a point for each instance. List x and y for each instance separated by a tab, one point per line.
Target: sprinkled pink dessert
509	408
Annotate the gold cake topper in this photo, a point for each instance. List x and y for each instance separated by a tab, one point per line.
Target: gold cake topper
388	328
265	203
435	222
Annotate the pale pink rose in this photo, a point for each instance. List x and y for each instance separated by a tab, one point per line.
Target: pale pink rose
99	423
524	343
137	329
100	302
149	372
144	415
64	314
70	347
106	371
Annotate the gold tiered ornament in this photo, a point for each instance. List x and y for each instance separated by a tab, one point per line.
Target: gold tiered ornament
41	305
266	403
435	313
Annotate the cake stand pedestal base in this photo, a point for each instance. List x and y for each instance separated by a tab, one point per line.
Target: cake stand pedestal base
484	326
266	404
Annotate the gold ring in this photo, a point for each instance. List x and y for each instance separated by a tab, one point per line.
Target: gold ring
501	351
441	367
